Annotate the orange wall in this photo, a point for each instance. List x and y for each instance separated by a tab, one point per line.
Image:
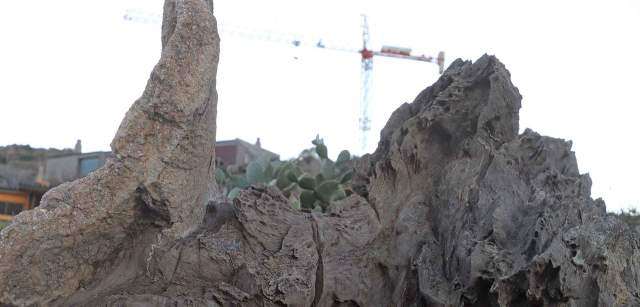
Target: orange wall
16	198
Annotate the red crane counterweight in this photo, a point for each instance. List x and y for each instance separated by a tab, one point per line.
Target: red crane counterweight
366	54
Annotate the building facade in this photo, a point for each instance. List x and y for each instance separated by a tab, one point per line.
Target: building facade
67	168
240	153
18	191
27	173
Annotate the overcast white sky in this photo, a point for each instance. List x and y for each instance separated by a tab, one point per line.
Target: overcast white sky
69	69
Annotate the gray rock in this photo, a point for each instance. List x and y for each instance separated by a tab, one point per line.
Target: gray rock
453	209
155	189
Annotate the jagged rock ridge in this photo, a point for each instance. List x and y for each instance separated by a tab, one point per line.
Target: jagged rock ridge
455	208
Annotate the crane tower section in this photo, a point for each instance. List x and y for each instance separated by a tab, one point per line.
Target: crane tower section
365	75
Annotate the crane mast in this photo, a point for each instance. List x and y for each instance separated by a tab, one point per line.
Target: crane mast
365	75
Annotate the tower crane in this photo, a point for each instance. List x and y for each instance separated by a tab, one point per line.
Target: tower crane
366	55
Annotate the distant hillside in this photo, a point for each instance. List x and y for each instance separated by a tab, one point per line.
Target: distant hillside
631	217
19	164
25	154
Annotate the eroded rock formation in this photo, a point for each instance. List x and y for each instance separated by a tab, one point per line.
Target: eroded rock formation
455	208
155	188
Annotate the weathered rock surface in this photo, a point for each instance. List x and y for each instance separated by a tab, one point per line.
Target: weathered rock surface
453	209
154	190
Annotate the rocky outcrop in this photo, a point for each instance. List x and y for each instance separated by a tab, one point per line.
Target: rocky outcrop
155	190
455	208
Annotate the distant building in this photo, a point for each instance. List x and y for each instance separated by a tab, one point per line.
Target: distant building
240	153
27	173
67	168
18	191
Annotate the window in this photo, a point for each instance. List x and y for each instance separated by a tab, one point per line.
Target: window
10	208
88	165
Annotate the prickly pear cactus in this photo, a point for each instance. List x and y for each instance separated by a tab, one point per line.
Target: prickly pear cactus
307	191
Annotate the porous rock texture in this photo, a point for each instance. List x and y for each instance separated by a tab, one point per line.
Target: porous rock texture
455	208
